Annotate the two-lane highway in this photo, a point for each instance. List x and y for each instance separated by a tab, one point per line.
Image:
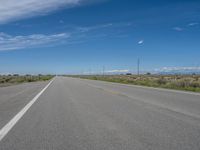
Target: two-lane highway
76	114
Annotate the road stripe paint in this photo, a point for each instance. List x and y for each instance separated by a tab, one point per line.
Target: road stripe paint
4	131
106	90
133	98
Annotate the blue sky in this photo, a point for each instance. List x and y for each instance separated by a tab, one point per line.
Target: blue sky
75	36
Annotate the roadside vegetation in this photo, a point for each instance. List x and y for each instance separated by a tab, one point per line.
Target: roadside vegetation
7	80
178	82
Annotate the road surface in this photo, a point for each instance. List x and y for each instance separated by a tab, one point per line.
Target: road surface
77	114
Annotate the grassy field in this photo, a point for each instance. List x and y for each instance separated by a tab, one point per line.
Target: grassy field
178	82
17	79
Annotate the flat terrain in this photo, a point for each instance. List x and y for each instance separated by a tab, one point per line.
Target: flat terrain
8	80
75	114
177	82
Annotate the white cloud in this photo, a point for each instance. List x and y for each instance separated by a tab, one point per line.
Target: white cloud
110	25
178	29
169	69
141	42
5	73
91	28
117	71
193	24
61	21
13	10
9	42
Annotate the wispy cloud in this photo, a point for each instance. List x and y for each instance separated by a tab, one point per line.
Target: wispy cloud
9	42
178	29
13	10
72	35
193	24
98	31
103	26
91	28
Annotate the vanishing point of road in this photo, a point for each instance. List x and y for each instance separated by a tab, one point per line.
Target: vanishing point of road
77	114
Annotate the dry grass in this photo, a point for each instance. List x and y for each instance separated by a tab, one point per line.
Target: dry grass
16	79
179	82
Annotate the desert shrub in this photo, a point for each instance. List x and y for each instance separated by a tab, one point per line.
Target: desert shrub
182	82
161	81
14	79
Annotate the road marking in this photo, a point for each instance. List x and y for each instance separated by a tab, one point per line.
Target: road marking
155	104
105	90
4	131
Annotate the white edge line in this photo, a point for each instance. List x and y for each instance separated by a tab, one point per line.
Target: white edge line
4	131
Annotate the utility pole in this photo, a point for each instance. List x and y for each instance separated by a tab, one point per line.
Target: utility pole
90	72
138	67
103	70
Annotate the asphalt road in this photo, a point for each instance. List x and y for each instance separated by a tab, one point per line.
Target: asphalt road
14	98
76	114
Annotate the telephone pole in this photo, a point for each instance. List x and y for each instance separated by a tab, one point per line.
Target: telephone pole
103	70
138	67
90	72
